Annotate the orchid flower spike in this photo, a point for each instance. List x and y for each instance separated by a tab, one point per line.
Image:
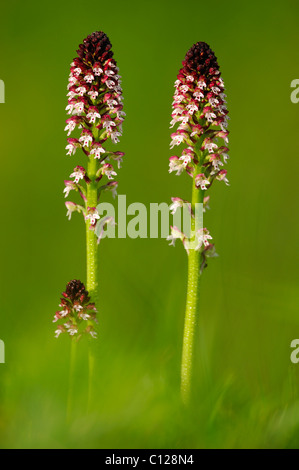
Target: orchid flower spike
95	118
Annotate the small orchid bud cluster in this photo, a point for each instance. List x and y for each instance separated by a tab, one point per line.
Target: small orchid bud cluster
199	110
77	315
95	108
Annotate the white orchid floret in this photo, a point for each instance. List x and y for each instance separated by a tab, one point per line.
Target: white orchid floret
71	94
197	95
81	90
89	78
177	139
201	181
213	102
192	108
114	136
222	109
84	316
77	71
93	94
108	125
73	331
223	126
78	108
110	72
72	207
184	88
92	215
72	146
177	203
63	313
177	110
186	159
86	138
69	108
174	235
100	227
93	115
222	176
108	171
78	174
201	84
203	236
70	127
175	164
210	116
97	70
173	122
216	161
97	150
72	80
178	98
210	146
225	157
112	103
110	84
69	186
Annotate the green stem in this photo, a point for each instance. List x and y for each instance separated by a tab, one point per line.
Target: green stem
91	240
71	379
91	361
191	313
91	259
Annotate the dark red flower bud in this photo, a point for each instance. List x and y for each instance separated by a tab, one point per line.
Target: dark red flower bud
95	48
201	58
74	290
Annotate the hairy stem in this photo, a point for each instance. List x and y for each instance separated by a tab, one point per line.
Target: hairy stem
91	361
91	240
92	260
71	379
191	313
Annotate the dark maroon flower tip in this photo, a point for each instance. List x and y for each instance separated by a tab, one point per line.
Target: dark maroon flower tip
201	58
95	48
75	290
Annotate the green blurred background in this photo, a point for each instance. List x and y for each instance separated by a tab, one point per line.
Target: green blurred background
245	390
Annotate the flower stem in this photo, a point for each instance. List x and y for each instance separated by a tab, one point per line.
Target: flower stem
191	313
92	261
71	379
91	361
91	240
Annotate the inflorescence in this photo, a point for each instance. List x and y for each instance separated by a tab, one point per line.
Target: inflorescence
96	109
199	109
77	315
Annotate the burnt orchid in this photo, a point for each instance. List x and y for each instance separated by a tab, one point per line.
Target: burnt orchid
96	115
200	114
95	120
76	310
